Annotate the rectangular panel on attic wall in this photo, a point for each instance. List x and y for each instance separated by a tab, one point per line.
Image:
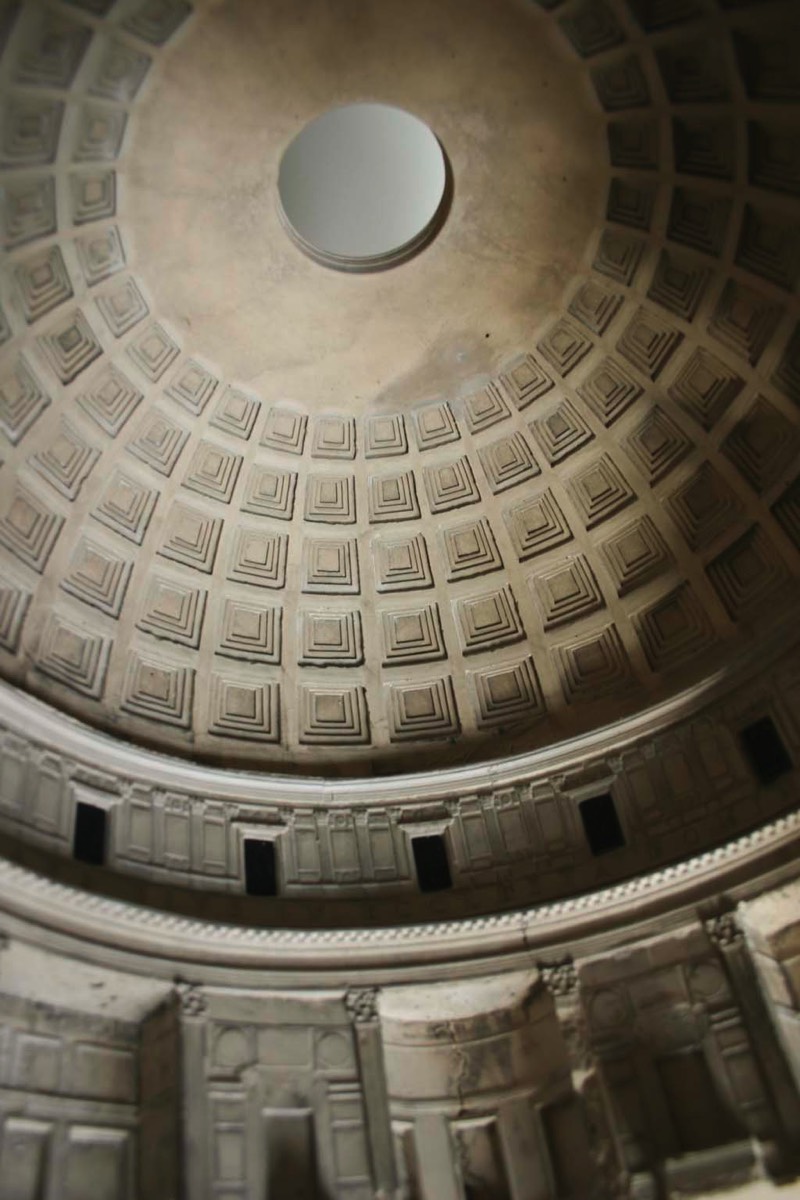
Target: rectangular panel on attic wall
306	850
550	815
513	830
476	835
13	773
678	776
213	837
344	849
381	848
639	783
139	841
176	838
47	797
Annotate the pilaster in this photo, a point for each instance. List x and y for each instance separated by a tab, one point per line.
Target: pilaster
362	1008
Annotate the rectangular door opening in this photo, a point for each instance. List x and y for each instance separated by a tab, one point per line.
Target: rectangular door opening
89	837
260	874
764	749
430	859
601	824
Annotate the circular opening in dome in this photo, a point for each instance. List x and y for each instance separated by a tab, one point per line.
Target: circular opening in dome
361	187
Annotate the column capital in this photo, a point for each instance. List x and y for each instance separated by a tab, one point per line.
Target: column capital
560	979
724	930
193	1002
362	1004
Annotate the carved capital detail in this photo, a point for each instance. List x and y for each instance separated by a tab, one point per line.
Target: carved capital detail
193	1002
560	979
362	1005
724	930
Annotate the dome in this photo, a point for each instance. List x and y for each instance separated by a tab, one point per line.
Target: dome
533	480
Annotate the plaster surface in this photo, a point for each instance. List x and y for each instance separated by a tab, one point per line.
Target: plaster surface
526	150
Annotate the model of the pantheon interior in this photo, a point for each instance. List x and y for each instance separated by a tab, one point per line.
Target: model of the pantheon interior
399	602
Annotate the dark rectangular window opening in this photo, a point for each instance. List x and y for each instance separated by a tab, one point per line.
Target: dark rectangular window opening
430	859
89	838
765	751
260	874
601	824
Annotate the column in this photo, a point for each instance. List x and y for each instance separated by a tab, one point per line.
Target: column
727	936
193	1082
362	1007
608	1176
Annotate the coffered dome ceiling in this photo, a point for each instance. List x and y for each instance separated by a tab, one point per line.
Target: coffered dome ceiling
540	477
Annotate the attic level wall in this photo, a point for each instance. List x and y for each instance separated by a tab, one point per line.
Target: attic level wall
536	830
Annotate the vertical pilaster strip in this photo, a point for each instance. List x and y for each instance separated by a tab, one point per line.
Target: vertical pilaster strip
527	1161
727	936
610	1176
439	1174
194	1121
160	1103
362	1007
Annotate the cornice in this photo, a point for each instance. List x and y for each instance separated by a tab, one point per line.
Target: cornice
34	721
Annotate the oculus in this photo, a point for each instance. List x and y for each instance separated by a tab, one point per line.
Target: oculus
362	187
